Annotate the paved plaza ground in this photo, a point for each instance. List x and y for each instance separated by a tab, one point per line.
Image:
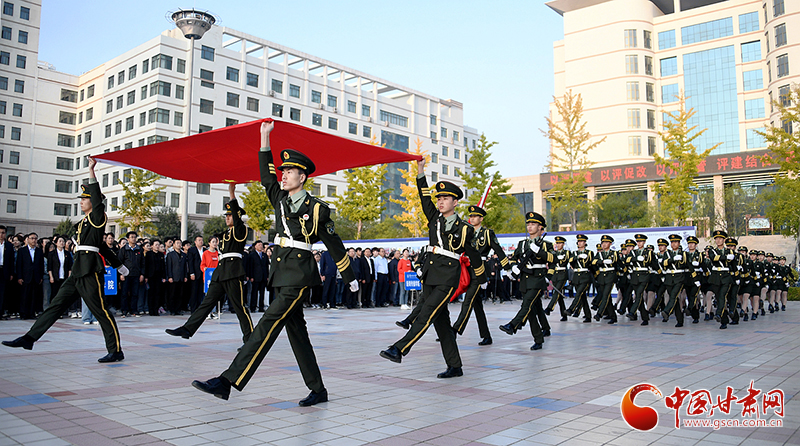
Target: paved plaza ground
568	393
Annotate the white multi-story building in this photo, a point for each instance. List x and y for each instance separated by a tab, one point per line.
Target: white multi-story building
52	122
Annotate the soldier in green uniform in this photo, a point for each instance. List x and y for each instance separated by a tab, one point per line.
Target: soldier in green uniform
736	276
534	259
86	280
227	277
560	276
639	264
624	300
720	260
607	259
693	280
450	237
674	267
581	262
484	242
301	221
657	278
745	280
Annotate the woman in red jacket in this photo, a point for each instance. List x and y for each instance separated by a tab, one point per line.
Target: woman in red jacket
403	267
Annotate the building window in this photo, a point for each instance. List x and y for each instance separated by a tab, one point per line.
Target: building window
158	115
294	91
145	65
631	64
89	114
333	123
6	34
651	145
316	97
434	157
366	132
277	110
332	101
233	100
132	72
748	22
393	118
232	74
87	138
24	14
5	57
669	93
202	208
780	35
648	65
252	104
753	80
777	8
669	66
66	118
207	53
443	132
783	65
119	102
207	78
651	119
90	91
178	121
110	82
142	118
3	83
331	191
120	77
179	91
17	110
784	96
8	8
277	86
69	95
66	141
635	145
144	92
434	137
11	206
204	128
161	61
648	41
666	39
252	79
129	123
206	106
118	127
445	151
63	163
204	188
751	51
316	119
22	37
294	114
445	169
365	111
754	108
634	118
2	107
181	68
64	187
632	89
630	39
13	157
456	153
351	106
174	200
702	32
754	140
786	126
105	180
230	121
352	128
13	182
435	176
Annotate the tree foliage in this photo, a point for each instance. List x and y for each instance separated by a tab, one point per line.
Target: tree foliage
138	200
167	223
364	197
413	218
622	210
214	226
503	213
65	227
569	156
680	165
258	208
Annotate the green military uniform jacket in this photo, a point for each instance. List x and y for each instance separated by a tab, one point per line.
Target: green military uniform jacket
606	273
232	241
671	266
534	268
91	231
484	242
582	267
721	267
310	224
636	267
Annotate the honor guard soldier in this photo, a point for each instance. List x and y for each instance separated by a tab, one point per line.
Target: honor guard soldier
560	276
450	237
624	300
640	263
788	275
484	242
720	261
657	278
227	277
581	262
754	286
693	280
772	271
534	259
606	260
87	278
674	267
736	275
743	293
301	221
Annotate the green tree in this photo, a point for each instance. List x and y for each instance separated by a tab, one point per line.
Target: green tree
167	223
413	218
569	156
259	210
65	227
783	200
363	200
213	226
388	228
138	200
503	213
622	210
680	165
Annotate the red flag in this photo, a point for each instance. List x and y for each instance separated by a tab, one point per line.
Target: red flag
230	154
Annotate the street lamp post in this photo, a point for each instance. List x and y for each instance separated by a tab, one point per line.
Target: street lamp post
193	24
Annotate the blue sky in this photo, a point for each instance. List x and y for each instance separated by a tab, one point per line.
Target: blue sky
495	57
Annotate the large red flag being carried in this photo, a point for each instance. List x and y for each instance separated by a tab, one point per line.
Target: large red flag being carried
230	154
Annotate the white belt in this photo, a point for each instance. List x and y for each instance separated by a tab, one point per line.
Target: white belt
606	269
560	268
720	269
675	271
229	255
579	270
87	248
442	251
484	258
537	266
284	242
641	269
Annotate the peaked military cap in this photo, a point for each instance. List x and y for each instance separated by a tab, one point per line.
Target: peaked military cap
534	217
560	239
720	233
293	158
607	238
84	192
598	246
743	248
692	239
650	247
730	241
448	188
769	254
229	210
663	242
640	237
582	237
630	243
761	253
675	238
477	210
782	258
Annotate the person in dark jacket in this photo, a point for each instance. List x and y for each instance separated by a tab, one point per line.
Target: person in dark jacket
327	271
195	255
7	267
30	269
394	279
59	265
257	267
367	278
177	275
155	274
132	256
351	297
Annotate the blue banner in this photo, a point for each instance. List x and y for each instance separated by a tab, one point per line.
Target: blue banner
207	278
412	282
110	281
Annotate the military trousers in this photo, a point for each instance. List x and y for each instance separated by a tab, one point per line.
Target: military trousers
674	288
581	281
605	286
216	293
434	312
473	301
639	282
527	313
721	287
558	295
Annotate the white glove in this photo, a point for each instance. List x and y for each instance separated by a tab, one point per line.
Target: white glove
515	270
123	271
483	285
583	256
354	286
419	273
561	257
535	248
766	286
662	279
730	256
629	277
640	258
737	282
758	274
695	263
608	261
677	258
697	284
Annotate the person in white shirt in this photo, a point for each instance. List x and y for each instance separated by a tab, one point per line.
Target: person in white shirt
381	278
